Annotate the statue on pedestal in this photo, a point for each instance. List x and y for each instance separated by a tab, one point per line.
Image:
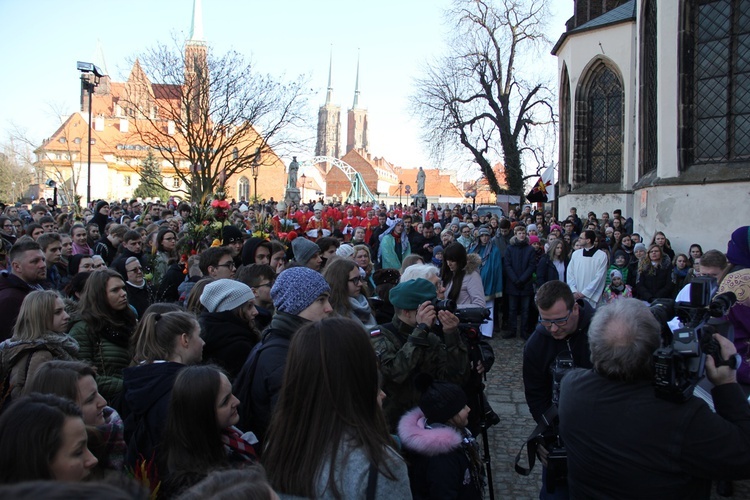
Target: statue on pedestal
421	178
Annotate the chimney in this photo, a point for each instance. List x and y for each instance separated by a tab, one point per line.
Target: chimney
99	123
124	125
170	127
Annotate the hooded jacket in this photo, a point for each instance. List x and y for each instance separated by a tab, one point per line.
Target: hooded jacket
440	467
23	358
472	289
229	340
147	390
519	264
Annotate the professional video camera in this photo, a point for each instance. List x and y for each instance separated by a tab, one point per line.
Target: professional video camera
680	362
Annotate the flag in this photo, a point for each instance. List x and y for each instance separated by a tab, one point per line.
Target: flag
538	193
548	176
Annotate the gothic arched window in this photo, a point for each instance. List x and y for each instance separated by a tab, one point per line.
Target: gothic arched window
563	179
649	148
243	189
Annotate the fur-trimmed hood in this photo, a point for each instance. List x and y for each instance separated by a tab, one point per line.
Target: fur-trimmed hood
473	263
435	441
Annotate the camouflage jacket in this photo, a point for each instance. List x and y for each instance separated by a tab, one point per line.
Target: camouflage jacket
405	351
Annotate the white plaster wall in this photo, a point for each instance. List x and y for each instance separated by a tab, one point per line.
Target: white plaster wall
597	203
703	214
618	44
100	181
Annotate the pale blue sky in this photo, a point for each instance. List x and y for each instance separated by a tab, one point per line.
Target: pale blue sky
41	40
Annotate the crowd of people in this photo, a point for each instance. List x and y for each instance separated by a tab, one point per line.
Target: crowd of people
325	358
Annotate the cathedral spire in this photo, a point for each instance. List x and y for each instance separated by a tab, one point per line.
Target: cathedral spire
356	85
196	26
329	94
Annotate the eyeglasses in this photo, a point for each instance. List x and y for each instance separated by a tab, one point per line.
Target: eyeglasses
228	265
134	270
356	281
269	284
546	323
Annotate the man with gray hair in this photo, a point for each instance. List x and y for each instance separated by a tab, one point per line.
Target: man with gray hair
624	442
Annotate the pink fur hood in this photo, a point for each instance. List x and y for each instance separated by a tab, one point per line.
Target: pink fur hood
414	436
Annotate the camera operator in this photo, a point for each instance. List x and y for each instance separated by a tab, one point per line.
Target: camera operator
410	345
559	341
624	442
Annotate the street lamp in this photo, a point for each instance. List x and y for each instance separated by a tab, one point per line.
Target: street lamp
303	178
90	75
473	196
256	167
400	185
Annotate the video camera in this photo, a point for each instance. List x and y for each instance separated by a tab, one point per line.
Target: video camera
467	316
680	362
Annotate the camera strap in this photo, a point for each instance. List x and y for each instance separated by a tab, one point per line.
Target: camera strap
532	441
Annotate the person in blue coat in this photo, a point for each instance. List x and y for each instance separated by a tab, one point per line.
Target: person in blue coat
491	271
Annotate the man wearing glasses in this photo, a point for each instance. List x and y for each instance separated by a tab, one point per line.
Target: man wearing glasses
217	262
561	337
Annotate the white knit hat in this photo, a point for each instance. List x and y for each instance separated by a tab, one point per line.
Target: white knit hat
225	295
345	251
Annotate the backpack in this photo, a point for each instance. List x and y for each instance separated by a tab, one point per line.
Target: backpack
243	384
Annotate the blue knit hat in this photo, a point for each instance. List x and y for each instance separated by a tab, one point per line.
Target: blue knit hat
296	288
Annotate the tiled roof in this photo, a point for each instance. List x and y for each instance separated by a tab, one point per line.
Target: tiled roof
624	13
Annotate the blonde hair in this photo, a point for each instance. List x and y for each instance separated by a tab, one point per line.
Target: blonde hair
35	317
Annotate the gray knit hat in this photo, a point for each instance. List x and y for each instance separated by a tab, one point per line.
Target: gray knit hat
225	295
639	246
296	288
304	249
345	251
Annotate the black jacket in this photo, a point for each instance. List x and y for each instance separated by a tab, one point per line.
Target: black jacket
12	292
546	271
539	355
107	251
624	442
519	264
139	298
145	406
418	246
260	389
229	340
655	284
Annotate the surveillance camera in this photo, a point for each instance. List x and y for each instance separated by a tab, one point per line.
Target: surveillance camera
87	67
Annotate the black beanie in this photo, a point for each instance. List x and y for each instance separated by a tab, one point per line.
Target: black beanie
440	401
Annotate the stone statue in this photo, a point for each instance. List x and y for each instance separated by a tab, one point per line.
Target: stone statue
421	177
293	168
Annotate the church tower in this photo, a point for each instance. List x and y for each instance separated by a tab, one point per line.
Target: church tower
356	127
196	65
329	123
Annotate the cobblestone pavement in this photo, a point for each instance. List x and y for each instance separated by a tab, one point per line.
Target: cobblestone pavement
505	394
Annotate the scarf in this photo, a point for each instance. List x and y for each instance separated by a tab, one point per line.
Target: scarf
237	449
361	311
82	250
109	441
617	290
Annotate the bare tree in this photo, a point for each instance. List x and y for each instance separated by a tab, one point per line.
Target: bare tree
15	171
222	114
476	99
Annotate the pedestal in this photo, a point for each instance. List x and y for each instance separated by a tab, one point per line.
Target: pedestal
420	200
291	196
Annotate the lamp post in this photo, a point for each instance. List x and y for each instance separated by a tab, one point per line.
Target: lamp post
473	196
256	167
90	75
303	178
400	186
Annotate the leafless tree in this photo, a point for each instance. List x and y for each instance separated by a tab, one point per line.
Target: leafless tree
479	98
15	171
222	115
